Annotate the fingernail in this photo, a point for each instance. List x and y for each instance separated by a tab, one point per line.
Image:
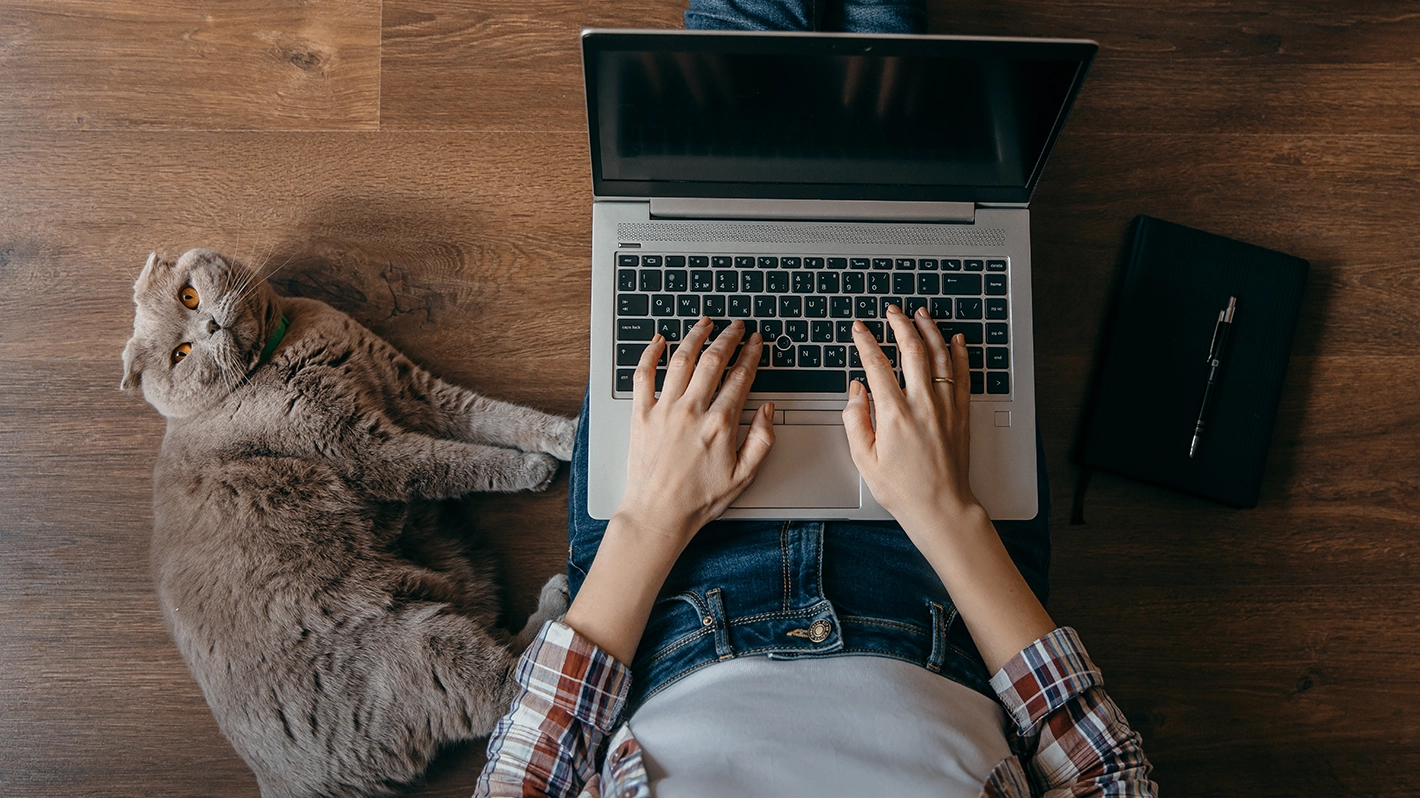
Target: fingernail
922	312
859	326
958	339
704	320
737	322
656	339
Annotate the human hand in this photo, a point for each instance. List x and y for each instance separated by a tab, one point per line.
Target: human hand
915	457
684	467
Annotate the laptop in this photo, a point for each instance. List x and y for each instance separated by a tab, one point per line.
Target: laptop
798	182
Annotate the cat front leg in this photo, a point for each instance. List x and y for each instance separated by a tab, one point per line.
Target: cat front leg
479	419
412	465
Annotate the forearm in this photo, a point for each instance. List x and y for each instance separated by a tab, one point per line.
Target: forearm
615	600
994	601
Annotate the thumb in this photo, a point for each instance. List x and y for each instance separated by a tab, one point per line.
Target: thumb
757	444
858	423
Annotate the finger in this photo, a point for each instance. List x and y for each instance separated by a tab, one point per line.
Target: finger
712	365
756	446
740	378
643	382
858	423
962	388
938	355
881	379
682	365
912	355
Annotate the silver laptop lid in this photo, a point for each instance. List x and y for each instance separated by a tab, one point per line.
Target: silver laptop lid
825	116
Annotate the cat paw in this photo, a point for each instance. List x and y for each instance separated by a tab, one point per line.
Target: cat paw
554	599
538	471
563	436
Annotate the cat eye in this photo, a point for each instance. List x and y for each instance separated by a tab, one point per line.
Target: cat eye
181	352
188	295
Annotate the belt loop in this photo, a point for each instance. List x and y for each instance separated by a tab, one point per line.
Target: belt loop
942	618
722	624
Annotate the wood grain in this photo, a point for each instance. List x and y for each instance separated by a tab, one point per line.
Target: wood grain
1261	652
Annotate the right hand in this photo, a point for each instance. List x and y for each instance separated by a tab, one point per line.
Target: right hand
684	465
915	458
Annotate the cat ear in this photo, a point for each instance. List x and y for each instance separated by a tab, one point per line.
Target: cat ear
132	382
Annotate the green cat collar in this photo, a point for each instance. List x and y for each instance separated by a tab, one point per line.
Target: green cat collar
273	342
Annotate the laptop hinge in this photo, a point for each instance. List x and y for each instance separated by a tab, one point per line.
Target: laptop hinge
846	210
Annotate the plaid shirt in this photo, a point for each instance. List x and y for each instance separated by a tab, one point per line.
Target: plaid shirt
565	734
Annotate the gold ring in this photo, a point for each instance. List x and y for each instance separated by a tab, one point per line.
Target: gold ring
947	380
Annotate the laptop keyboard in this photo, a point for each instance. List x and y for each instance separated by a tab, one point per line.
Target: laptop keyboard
804	307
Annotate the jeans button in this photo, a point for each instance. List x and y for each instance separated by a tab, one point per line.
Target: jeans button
706	621
820	630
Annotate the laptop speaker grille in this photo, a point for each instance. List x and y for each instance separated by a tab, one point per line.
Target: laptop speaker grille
801	233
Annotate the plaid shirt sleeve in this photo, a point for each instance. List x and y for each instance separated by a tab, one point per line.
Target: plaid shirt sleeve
571	697
1075	740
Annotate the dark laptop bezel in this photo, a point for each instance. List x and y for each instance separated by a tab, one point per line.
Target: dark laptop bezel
595	41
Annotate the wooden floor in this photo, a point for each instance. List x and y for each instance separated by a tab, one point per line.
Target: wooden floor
423	165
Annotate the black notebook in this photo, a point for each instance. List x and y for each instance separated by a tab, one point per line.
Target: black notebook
1145	402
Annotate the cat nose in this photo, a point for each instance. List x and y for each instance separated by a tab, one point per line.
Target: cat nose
213	326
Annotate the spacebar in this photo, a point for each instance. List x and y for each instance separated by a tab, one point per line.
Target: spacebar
800	381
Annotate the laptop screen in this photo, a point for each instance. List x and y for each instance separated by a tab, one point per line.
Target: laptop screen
819	116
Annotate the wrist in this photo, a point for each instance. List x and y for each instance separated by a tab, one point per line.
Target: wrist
948	532
651	527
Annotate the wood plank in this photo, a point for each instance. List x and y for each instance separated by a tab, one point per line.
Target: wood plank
187	65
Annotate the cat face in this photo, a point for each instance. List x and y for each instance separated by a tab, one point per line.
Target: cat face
199	329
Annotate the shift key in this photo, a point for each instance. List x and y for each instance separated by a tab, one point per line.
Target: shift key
635	329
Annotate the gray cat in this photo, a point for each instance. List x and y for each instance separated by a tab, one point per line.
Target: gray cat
301	549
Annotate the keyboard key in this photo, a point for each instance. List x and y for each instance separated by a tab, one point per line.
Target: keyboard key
879	283
633	305
828	283
821	331
886	302
626	280
911	304
686	325
783	358
996	334
744	262
815	306
717	326
876	328
669	329
751	327
713	305
975	357
995	265
771	329
687	305
834	356
978	382
891	353
906	283
727	282
790	263
625	379
702	280
995	308
842	332
951	265
882	263
651	260
740	306
853	283
763	306
650	280
996	285
802	283
969	308
997	357
858	376
678	261
768	262
798	331
971	330
813	263
905	263
865	307
855	361
928	283
791	307
809	356
961	284
840	307
973	265
940	309
699	261
837	263
800	381
630	354
752	282
635	329
628	260
676	280
777	282
764	355
998	382
662	305
927	264
859	263
721	261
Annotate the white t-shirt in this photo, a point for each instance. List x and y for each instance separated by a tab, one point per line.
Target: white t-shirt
830	726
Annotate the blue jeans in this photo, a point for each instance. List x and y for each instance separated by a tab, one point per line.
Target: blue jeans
802	589
861	16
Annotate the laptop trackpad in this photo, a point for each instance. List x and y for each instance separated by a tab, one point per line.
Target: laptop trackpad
809	467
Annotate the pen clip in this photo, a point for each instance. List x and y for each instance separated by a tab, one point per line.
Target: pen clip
1217	325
